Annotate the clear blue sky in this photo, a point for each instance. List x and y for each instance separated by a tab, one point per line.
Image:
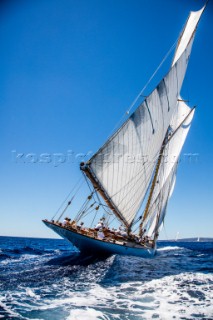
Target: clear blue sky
69	71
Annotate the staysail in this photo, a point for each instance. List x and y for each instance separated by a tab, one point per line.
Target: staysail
180	125
122	169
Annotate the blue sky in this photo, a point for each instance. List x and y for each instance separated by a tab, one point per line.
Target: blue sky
69	71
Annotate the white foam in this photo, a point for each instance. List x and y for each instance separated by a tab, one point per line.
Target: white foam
88	314
8	310
84	297
169	248
31	293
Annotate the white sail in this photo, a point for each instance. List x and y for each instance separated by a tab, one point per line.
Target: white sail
123	167
157	210
167	171
187	33
125	164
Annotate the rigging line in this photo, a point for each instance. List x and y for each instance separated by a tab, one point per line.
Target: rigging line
153	75
92	191
97	196
99	200
107	212
124	188
112	220
130	180
144	88
140	202
65	209
93	219
134	181
84	205
87	211
182	122
83	209
69	196
138	196
101	204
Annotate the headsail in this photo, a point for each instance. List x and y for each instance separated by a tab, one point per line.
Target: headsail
167	171
122	169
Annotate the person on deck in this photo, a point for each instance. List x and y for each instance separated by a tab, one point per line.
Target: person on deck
81	227
101	234
123	232
64	223
103	221
73	224
99	225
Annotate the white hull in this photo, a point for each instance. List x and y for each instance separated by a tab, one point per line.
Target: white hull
96	246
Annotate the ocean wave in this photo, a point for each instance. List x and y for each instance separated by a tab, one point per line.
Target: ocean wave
61	284
88	313
170	248
186	296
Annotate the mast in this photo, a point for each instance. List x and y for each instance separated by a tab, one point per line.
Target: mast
146	211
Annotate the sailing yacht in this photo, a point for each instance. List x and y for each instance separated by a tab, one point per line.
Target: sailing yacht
132	176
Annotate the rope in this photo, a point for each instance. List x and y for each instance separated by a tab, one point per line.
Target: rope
94	218
83	208
69	196
68	204
144	88
85	212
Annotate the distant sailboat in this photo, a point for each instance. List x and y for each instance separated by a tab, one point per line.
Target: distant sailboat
177	235
136	168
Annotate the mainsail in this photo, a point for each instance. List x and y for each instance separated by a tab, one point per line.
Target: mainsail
123	168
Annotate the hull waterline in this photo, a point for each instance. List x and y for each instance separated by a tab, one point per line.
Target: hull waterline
94	246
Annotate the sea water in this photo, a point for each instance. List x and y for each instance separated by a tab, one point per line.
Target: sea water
48	279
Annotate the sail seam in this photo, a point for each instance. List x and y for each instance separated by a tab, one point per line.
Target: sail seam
177	78
153	130
166	94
